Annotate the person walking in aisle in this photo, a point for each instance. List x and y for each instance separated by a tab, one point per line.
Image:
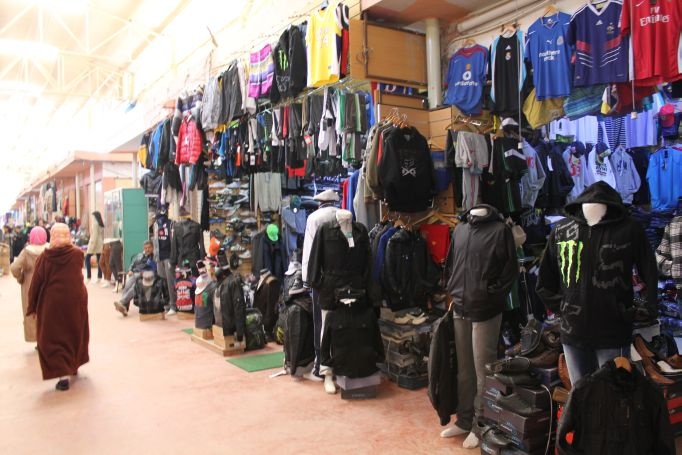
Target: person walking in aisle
95	245
142	261
59	299
22	269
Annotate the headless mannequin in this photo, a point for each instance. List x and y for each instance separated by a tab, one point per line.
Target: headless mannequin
593	212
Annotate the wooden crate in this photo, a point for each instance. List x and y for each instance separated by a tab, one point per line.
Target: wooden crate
204	334
226	342
153	317
211	346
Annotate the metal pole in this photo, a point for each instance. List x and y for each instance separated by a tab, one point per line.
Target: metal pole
92	187
433	72
78	196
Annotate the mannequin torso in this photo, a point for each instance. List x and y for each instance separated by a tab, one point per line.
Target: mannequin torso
345	219
593	212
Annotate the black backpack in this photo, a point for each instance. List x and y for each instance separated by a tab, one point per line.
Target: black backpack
255	331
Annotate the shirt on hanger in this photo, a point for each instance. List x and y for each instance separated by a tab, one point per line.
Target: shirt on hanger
466	78
550	54
323	55
655	28
507	73
601	53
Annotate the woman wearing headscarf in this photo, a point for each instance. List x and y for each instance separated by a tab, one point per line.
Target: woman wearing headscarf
58	297
22	270
95	245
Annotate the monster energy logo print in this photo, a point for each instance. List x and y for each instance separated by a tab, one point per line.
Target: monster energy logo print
570	252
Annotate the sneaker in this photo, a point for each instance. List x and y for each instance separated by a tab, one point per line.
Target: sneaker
234	185
237	248
62	385
105	284
218	184
171	312
245	255
121	308
249	220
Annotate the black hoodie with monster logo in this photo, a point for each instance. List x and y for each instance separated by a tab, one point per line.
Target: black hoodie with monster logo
586	272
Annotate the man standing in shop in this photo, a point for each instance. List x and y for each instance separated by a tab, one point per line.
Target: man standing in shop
141	261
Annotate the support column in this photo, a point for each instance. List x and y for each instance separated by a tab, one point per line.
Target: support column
92	187
136	180
78	196
433	71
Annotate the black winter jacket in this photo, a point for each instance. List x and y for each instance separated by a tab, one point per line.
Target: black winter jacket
187	242
586	272
157	299
482	264
558	183
351	341
290	65
333	264
151	183
232	306
273	256
406	171
299	349
615	412
408	273
443	368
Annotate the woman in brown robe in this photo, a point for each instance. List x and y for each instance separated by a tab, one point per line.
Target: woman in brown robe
60	300
22	270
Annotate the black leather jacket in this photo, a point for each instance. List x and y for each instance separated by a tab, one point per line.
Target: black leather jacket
187	242
299	348
615	412
233	306
157	299
333	264
408	272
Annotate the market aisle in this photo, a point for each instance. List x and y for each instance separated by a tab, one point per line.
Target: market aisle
149	389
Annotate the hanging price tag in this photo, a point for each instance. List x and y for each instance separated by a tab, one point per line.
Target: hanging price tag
252	159
549	164
349	237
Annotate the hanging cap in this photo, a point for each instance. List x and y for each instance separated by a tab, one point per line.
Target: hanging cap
297	286
294	267
509	122
327	196
214	247
666	116
273	232
295	202
147	277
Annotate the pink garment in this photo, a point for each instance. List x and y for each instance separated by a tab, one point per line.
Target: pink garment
37	236
262	71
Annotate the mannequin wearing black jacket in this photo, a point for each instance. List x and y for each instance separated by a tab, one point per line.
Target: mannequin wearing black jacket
231	305
483	268
187	243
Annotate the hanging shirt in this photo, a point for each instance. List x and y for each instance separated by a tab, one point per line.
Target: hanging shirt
508	73
599	170
323	57
550	54
655	27
665	178
601	54
577	168
466	78
627	178
640	132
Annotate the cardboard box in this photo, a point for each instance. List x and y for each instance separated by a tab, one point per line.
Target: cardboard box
349	384
537	398
360	394
547	375
520	426
493	384
491	410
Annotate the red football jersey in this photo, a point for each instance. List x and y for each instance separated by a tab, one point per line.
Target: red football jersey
656	27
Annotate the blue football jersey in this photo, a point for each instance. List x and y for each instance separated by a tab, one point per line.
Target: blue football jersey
601	54
466	78
550	55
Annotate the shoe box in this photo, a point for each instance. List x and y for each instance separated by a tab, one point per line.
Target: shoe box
515	425
495	386
347	383
547	376
360	393
536	397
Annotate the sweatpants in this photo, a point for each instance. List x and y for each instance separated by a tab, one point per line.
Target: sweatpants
319	316
476	344
129	290
167	272
116	259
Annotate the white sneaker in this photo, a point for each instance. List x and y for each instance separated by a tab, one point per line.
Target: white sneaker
105	284
452	431
171	312
471	442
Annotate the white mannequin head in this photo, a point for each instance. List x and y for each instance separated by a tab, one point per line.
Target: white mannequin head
594	212
479	211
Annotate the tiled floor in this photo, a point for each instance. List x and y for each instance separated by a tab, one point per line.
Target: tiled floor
149	390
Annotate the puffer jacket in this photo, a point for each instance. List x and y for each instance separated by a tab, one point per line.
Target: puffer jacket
333	264
233	306
483	265
408	273
586	272
187	242
615	412
443	368
157	299
299	348
151	183
190	142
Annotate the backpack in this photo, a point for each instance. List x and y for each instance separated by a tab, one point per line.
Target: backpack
255	331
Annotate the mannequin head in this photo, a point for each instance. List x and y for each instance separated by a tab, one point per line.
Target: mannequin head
345	218
60	235
479	211
593	212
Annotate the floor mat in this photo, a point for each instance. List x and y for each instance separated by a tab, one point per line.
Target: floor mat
259	362
188	331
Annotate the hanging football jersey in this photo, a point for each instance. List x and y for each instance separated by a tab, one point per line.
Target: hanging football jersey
655	28
550	55
601	55
323	55
466	78
508	73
